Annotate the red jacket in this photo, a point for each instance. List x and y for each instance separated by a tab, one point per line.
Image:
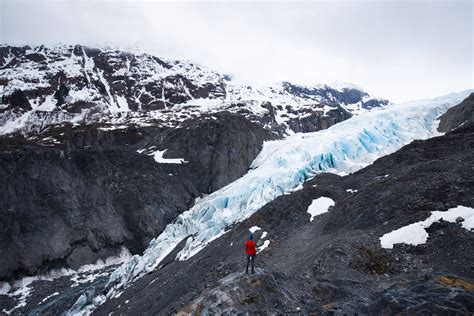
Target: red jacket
250	248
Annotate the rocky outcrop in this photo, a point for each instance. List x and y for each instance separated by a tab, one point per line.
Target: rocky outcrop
318	121
77	194
17	101
461	114
265	292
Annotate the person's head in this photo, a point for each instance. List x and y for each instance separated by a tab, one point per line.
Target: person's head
251	237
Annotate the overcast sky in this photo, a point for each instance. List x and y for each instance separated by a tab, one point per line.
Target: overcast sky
401	50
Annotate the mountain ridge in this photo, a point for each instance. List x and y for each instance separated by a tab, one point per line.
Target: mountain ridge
81	84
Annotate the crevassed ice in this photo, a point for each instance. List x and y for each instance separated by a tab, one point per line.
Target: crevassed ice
283	166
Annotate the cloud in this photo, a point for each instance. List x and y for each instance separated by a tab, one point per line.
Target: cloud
395	49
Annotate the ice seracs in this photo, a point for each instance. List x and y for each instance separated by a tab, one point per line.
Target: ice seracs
415	234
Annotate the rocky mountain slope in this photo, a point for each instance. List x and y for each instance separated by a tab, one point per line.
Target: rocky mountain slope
42	85
336	264
88	138
462	114
96	191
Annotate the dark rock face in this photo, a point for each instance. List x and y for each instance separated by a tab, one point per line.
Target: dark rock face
68	209
436	168
61	94
18	101
221	148
336	264
87	193
318	121
461	114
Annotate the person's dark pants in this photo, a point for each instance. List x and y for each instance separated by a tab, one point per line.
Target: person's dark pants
252	259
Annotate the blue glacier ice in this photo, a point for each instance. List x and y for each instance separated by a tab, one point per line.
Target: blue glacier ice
281	167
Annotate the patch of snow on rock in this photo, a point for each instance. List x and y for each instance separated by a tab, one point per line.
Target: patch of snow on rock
415	234
265	245
320	206
158	156
254	229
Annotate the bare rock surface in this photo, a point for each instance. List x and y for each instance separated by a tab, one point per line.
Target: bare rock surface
94	191
461	114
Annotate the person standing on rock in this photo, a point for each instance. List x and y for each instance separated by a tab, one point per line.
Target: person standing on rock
251	252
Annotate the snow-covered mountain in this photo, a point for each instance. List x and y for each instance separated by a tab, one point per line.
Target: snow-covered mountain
61	84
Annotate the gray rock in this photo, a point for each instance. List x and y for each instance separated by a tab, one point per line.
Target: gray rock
460	115
88	196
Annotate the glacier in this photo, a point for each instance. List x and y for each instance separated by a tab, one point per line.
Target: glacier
281	167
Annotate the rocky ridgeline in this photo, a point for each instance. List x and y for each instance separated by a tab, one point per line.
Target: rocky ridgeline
55	85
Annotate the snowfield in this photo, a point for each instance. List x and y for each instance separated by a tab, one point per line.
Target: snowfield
415	234
281	167
319	206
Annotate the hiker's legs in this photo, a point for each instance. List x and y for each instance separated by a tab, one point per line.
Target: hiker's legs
247	268
253	259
